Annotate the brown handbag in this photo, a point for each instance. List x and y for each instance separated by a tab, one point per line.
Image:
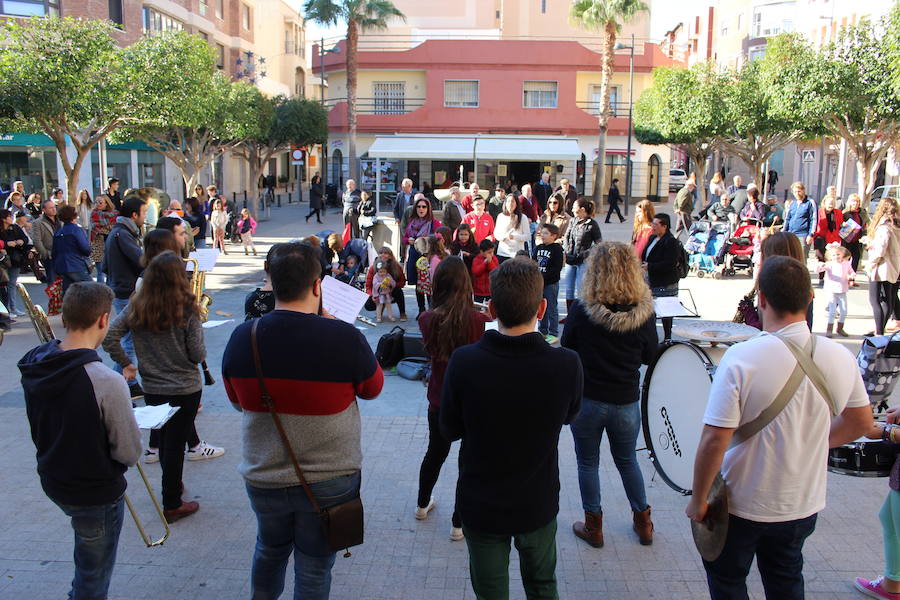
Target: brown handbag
343	523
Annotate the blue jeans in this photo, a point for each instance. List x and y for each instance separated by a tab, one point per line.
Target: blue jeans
622	423
200	242
119	304
550	321
571	277
778	548
287	523
101	276
13	292
97	531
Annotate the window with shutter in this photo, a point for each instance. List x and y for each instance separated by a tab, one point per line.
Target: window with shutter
539	94
460	94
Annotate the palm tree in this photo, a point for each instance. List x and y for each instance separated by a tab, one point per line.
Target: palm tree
606	16
360	15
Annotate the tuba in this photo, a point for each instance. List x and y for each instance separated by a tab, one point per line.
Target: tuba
198	283
45	334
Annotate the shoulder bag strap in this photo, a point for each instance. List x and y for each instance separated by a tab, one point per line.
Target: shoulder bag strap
270	404
805	360
751	428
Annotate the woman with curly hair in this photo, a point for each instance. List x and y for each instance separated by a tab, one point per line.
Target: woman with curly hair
164	313
612	327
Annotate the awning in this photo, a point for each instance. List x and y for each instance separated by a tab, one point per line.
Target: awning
479	147
423	148
527	149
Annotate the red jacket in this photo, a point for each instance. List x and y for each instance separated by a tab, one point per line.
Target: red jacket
481	274
822	230
482	227
530	208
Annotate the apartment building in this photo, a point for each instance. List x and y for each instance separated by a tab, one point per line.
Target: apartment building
488	92
241	34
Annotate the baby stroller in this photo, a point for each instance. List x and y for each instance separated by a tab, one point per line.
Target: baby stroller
704	242
737	252
231	229
364	253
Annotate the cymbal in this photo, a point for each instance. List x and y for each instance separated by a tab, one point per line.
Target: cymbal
710	535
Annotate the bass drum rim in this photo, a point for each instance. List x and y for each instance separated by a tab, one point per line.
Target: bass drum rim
645	391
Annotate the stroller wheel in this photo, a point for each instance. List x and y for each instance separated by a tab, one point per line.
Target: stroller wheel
701	274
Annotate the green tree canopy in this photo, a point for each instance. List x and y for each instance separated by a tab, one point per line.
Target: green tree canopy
753	126
203	113
360	16
277	124
683	109
842	90
65	78
604	16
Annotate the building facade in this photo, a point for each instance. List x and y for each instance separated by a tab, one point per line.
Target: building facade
488	92
240	33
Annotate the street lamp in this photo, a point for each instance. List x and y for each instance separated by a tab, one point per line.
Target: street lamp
621	46
324	169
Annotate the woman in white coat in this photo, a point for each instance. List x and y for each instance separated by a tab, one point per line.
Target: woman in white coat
512	229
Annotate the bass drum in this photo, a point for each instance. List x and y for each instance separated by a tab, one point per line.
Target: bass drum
675	392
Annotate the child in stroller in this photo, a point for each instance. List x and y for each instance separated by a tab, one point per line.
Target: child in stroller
737	253
705	239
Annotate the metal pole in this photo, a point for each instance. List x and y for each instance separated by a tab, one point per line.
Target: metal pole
821	169
324	145
630	108
101	152
377	185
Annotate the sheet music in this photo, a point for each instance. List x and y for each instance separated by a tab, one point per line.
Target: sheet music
211	324
671	306
207	258
342	300
154	417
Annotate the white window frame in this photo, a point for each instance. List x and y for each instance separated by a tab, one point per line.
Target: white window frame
556	95
615	92
246	19
220	9
477	83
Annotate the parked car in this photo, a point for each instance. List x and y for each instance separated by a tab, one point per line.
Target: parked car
882	191
677	179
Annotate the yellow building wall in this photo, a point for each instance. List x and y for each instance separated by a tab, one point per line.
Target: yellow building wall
585	79
415	82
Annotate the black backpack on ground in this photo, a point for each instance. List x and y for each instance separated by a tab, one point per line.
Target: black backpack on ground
389	351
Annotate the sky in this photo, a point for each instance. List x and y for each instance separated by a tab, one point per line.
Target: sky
665	14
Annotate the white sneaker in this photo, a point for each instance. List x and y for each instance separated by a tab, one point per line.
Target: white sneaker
422	513
456	534
151	455
204	451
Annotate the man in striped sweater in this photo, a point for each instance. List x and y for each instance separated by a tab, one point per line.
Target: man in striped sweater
314	368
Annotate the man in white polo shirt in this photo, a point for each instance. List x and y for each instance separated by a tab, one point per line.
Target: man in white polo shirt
775	478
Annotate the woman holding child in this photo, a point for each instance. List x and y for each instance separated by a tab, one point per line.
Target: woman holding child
451	322
386	256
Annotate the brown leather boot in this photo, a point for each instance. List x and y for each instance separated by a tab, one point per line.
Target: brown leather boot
828	330
591	530
643	526
840	329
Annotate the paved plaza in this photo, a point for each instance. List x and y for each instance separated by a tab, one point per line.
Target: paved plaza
208	555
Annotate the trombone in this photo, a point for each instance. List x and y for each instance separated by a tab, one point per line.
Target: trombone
198	285
45	334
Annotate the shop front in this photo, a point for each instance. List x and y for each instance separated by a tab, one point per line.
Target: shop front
31	159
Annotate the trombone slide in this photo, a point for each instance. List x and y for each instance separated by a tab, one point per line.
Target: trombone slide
159	511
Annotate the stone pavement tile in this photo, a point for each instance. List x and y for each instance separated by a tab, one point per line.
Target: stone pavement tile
208	555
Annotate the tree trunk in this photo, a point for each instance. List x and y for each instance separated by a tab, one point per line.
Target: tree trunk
866	168
698	157
606	71
72	177
352	43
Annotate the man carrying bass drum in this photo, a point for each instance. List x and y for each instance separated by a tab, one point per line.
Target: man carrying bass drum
774	493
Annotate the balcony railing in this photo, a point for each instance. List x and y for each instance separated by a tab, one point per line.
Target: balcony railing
380	106
616	109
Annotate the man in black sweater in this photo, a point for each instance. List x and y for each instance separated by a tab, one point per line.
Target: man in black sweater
84	431
508	463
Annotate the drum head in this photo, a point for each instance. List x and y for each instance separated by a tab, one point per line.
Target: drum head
675	392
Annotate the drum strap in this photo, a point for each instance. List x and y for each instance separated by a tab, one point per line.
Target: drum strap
805	368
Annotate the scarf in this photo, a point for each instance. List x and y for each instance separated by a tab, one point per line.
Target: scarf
829	216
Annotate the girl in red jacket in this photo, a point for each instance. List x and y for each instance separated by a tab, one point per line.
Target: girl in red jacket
482	265
828	231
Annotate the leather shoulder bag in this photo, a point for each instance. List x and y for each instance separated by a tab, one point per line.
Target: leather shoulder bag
343	523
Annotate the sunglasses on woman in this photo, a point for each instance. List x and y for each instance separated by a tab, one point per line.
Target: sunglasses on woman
421	206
